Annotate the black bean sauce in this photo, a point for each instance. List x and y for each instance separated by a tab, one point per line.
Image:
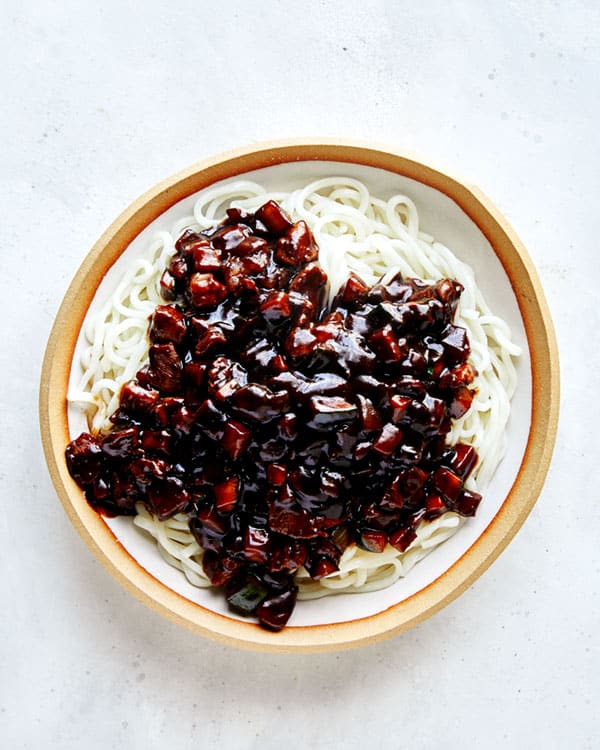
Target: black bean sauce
285	429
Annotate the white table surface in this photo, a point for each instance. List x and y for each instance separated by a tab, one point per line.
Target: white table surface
99	103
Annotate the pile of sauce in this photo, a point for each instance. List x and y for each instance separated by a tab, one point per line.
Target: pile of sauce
285	428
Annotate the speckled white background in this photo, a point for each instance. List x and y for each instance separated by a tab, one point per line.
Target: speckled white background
98	104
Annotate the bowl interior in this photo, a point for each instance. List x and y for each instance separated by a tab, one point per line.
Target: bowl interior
441	217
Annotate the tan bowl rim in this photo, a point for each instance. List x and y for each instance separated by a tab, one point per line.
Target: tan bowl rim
515	508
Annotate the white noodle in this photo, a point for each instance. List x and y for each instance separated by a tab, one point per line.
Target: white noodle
355	232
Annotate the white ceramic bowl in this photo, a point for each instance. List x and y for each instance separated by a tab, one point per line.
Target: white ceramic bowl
457	215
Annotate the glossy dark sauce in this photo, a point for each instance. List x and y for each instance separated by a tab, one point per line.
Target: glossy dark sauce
287	430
